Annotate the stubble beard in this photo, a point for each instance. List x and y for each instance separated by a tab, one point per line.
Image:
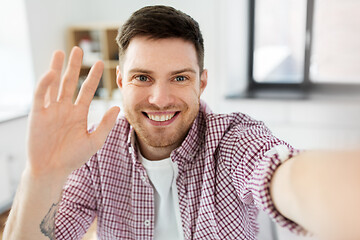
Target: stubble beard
163	137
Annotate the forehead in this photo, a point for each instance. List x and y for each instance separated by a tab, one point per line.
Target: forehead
160	54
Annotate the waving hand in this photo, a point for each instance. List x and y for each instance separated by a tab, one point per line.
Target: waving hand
58	140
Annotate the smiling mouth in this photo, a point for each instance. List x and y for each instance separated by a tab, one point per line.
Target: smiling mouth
160	117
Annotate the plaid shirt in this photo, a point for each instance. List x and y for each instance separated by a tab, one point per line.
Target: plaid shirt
225	165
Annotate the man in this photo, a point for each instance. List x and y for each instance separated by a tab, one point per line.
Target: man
170	169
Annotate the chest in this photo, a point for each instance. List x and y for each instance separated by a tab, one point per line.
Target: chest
208	203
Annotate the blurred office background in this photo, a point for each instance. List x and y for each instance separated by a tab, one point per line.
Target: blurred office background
294	64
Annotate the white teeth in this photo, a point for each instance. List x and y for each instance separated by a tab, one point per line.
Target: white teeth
161	118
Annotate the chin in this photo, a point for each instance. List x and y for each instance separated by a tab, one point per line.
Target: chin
159	140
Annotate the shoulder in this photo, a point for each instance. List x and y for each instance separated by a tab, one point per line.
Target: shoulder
121	127
234	124
119	134
236	133
116	140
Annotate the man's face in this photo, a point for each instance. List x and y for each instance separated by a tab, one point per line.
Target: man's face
161	84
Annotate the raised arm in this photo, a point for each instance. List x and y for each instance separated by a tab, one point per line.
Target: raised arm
58	143
321	192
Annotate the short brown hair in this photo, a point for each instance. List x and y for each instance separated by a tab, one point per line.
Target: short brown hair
159	22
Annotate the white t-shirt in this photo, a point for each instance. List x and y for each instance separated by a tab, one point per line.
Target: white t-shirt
162	175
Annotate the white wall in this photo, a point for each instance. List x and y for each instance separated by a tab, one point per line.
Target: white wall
225	45
48	21
12	158
306	124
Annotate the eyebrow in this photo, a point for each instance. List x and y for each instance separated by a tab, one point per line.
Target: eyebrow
141	70
183	70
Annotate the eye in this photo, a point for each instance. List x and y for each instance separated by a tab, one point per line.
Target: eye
142	78
180	78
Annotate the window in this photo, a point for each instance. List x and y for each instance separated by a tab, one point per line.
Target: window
335	55
296	44
16	70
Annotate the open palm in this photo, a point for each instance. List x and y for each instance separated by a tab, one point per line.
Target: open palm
58	140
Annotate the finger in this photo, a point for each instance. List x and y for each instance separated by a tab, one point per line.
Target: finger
42	89
89	86
98	137
68	84
56	65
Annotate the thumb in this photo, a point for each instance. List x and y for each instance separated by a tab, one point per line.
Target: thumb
106	124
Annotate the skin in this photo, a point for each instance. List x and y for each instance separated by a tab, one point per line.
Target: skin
160	78
302	188
320	191
57	143
58	140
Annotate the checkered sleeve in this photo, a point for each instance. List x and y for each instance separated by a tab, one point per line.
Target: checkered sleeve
257	157
77	207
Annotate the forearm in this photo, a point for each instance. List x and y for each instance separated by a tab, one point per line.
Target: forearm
33	212
58	143
321	192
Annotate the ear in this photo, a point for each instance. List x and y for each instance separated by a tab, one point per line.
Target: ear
118	77
203	80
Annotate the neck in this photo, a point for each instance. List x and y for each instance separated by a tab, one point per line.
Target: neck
155	153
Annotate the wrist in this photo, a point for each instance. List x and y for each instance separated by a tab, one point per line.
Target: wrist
49	181
36	194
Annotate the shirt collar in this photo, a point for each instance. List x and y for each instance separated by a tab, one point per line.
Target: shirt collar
192	142
190	147
132	146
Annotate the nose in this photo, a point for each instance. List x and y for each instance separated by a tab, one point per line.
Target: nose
161	95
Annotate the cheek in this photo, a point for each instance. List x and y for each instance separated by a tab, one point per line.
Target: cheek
131	96
191	97
195	92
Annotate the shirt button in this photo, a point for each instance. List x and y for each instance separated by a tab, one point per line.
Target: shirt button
143	178
147	223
